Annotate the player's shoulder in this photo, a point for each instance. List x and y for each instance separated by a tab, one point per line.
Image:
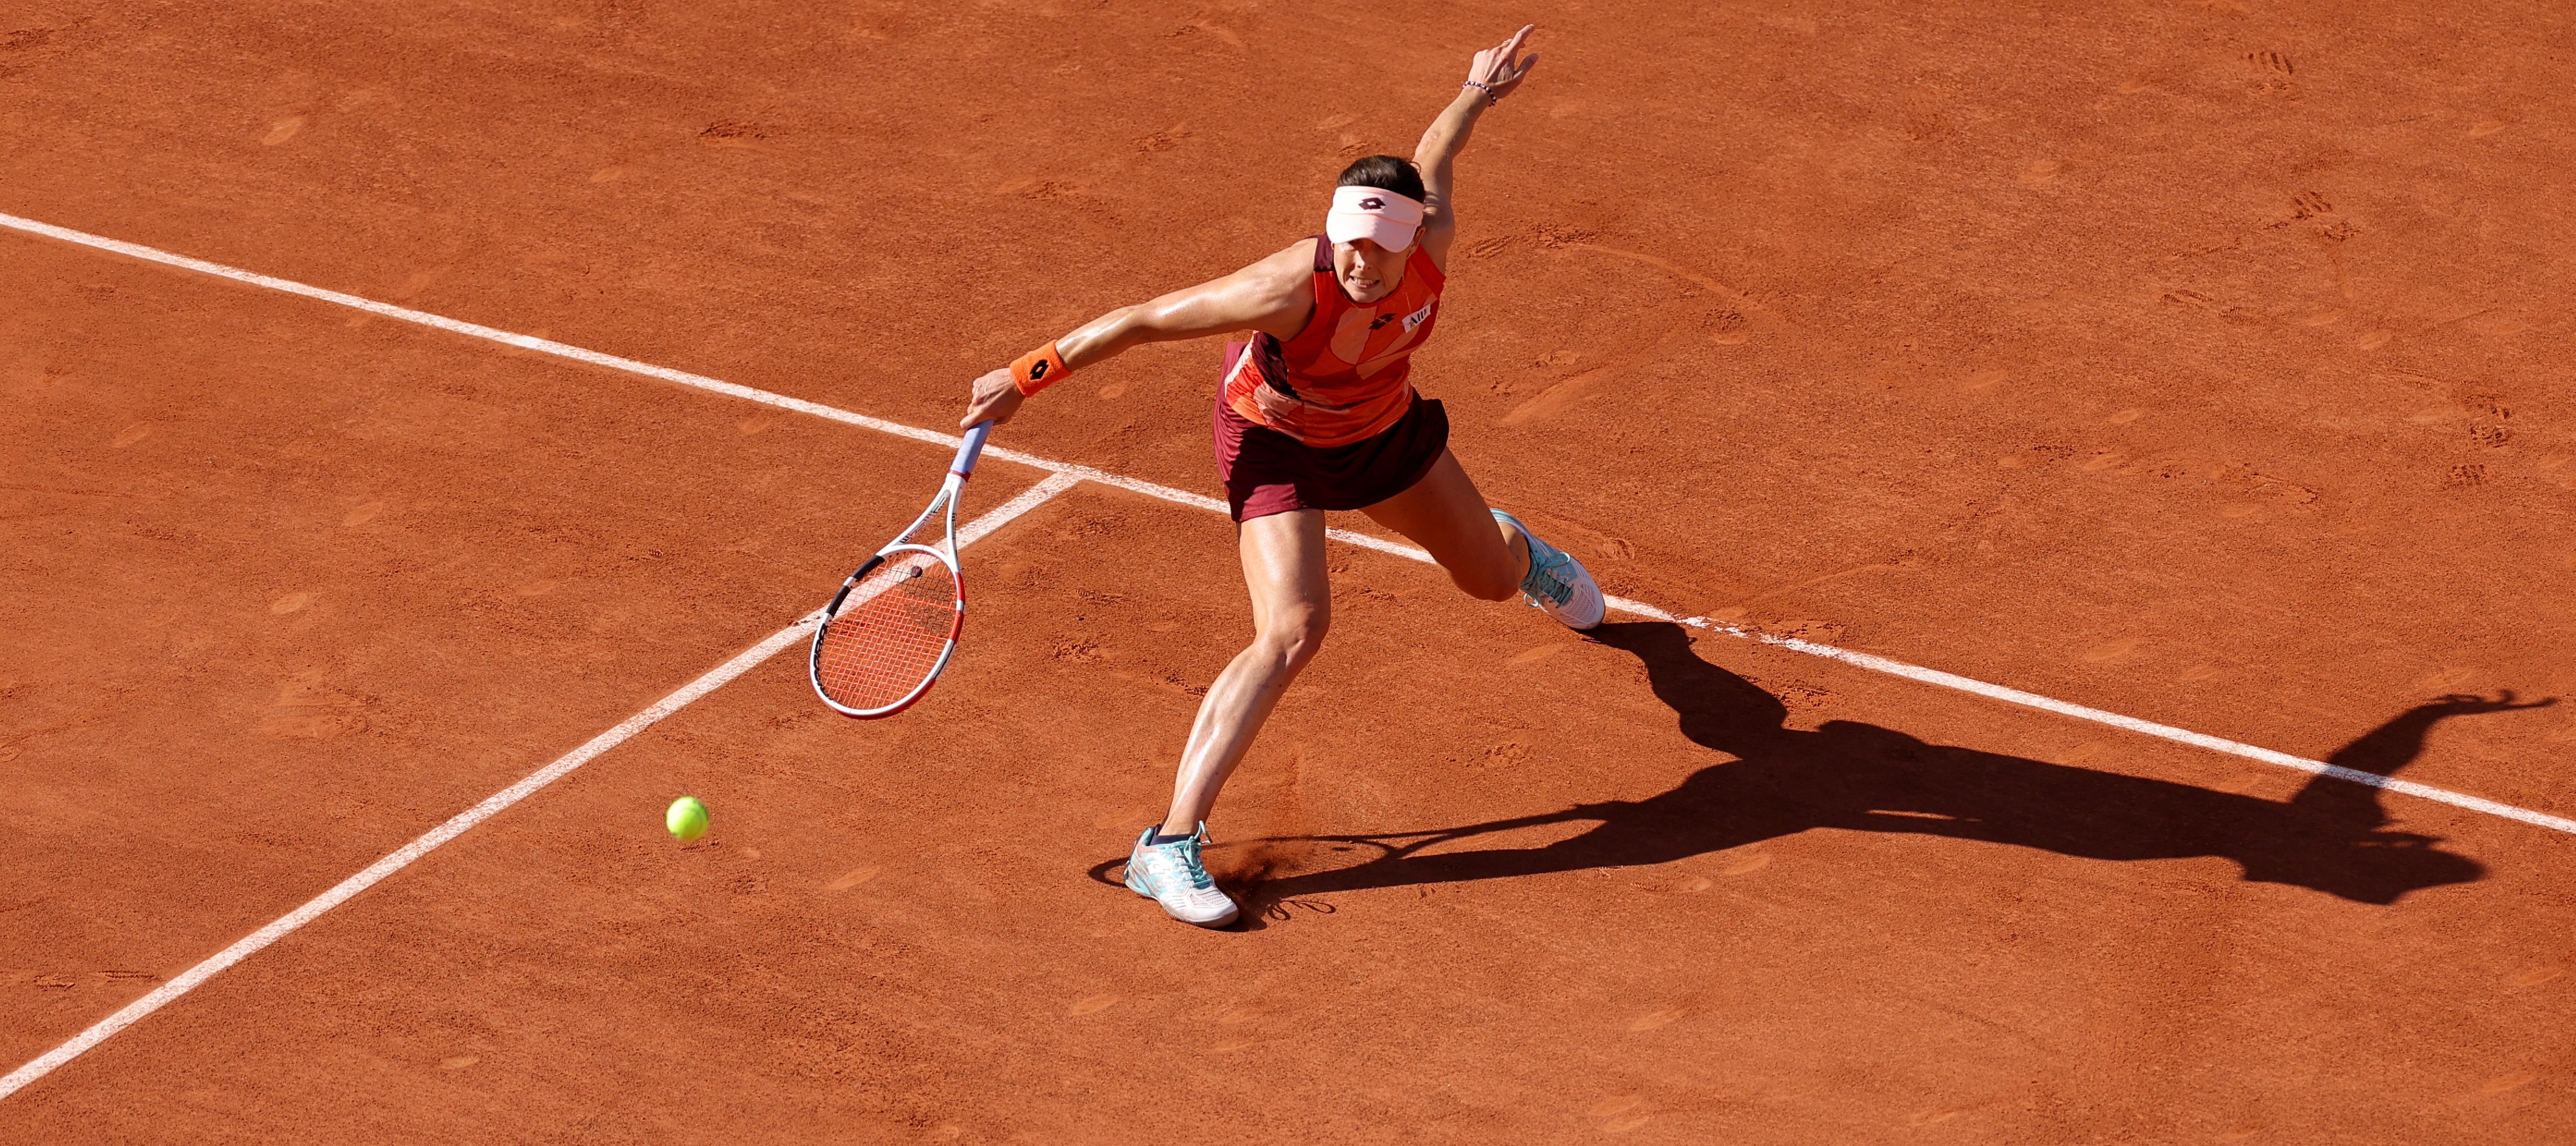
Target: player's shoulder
1289	265
1282	274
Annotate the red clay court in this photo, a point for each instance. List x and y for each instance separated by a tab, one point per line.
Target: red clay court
2089	487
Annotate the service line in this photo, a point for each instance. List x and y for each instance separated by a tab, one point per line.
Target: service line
1166	493
492	805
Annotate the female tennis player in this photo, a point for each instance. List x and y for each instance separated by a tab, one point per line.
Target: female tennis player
1316	412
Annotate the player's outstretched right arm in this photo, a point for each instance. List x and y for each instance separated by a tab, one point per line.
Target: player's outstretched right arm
1271	296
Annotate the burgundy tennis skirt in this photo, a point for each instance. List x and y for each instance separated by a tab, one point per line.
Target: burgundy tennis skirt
1267	472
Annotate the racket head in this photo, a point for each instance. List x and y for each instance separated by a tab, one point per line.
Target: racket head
889	634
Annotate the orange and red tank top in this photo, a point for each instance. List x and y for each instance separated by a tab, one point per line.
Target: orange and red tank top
1346	376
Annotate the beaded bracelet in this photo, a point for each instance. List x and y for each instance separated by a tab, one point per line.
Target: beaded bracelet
1490	97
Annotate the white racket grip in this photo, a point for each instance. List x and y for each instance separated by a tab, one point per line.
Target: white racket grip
971	449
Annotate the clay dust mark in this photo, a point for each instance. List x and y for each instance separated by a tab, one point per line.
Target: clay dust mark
2124	417
1163	140
608	175
1044	190
2538	976
2111	650
1935	1116
1653	1019
419	281
854	877
1984	380
283	130
1093	1005
130	435
2448	679
1555	398
1615	1106
1212	28
1542	652
2486	127
538	588
290	603
363	514
2515	1081
1669	267
2271	62
1625	1123
1695	885
1748	865
459	1062
308	709
2373	340
2041	171
2323	318
1113	391
750	426
1836	575
1237	1016
733	133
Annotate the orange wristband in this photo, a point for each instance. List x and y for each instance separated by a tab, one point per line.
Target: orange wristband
1039	369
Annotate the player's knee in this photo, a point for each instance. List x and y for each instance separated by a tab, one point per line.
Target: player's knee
1293	638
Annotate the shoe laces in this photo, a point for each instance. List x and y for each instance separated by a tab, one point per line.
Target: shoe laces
1182	860
1547	580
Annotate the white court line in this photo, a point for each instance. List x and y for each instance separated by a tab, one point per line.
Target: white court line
1166	493
1861	660
403	857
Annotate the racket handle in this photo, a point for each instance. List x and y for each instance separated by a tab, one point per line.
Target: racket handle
971	449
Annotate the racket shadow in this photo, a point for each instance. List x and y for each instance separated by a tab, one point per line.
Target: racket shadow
2331	837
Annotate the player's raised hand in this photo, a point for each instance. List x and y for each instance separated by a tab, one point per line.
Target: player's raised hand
1500	69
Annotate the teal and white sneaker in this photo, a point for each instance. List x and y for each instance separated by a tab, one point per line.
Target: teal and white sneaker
1557	584
1171	875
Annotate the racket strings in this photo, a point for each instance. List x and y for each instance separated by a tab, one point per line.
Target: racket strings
889	639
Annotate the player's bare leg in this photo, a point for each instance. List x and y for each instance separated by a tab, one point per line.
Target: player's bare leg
1489	553
1292	607
1444	514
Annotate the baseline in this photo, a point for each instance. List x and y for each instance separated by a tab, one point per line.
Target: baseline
492	805
1858	659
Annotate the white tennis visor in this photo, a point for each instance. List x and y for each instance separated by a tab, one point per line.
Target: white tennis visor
1375	214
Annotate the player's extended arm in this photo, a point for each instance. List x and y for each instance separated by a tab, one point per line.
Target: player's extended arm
1493	75
1271	296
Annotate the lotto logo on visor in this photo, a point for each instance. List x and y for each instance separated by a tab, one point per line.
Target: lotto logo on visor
1373	213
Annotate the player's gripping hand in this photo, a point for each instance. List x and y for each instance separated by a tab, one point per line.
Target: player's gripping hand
995	397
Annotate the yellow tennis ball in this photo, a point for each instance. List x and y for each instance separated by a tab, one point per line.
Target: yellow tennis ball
687	818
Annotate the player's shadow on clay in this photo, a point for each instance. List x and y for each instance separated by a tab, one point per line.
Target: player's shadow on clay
2332	836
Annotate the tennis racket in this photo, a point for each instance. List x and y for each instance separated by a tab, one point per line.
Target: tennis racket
894	624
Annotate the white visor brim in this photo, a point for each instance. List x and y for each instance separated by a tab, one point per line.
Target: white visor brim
1378	215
